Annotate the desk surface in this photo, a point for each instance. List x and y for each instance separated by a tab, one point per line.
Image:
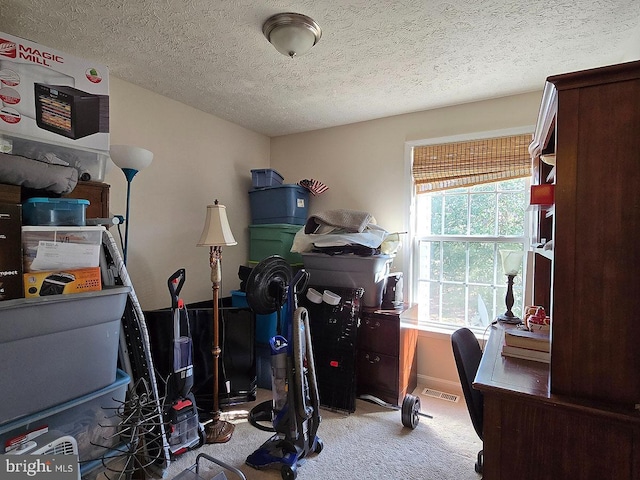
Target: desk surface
526	378
506	373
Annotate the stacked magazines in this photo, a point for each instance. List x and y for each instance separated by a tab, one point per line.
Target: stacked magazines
528	345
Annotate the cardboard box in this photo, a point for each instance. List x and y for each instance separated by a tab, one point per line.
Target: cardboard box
51	97
10	251
41	284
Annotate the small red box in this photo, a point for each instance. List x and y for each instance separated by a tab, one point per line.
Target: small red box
542	194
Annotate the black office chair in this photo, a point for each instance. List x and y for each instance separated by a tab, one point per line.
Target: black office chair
467	353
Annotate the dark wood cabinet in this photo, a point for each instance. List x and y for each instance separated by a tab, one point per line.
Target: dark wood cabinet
98	195
386	356
531	434
596	224
9	193
578	417
590	120
96	192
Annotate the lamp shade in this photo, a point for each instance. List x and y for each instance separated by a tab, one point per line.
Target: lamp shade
292	34
128	156
511	261
216	230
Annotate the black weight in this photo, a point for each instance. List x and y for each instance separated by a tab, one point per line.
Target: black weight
411	411
267	285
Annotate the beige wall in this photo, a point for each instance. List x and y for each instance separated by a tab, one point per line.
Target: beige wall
197	158
365	167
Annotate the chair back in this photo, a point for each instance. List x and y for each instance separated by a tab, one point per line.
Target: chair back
467	354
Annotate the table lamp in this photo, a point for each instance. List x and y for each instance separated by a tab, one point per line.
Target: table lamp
511	261
131	160
215	235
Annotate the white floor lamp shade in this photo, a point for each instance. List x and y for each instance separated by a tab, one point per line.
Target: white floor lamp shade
131	160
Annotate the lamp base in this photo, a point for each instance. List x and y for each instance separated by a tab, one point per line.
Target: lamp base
512	319
218	431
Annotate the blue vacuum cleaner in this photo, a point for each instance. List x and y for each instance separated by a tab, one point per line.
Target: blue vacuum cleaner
294	409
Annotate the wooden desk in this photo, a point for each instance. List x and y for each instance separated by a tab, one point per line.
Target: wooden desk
530	434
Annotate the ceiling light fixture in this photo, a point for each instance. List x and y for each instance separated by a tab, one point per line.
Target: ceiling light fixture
292	34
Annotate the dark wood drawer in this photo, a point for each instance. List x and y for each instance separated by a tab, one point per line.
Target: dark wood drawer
377	372
9	193
380	334
98	195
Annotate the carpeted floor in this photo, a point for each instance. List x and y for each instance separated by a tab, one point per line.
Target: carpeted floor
370	443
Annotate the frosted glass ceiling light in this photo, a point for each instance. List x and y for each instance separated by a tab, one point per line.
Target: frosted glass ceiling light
292	34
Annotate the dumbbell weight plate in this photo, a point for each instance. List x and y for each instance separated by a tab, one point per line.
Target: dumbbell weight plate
411	411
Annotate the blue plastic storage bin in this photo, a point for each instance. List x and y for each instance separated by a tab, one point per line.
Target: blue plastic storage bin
263	366
265	177
54	211
239	299
266	325
282	204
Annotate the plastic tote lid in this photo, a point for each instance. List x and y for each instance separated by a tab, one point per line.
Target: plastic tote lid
68	201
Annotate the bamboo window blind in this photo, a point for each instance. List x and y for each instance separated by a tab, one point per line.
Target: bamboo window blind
463	164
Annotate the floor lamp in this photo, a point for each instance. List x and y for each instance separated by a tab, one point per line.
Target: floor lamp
215	235
131	160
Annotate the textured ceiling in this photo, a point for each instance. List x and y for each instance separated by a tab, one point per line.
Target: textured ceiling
375	59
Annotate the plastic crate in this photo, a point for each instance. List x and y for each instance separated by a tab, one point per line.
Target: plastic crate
57	348
282	204
265	177
62	248
91	419
90	164
353	271
266	240
54	211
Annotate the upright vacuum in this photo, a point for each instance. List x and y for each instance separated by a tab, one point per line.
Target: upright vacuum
295	405
180	411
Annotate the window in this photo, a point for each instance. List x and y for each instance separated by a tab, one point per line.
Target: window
471	209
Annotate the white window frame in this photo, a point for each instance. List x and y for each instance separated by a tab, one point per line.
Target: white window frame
409	260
